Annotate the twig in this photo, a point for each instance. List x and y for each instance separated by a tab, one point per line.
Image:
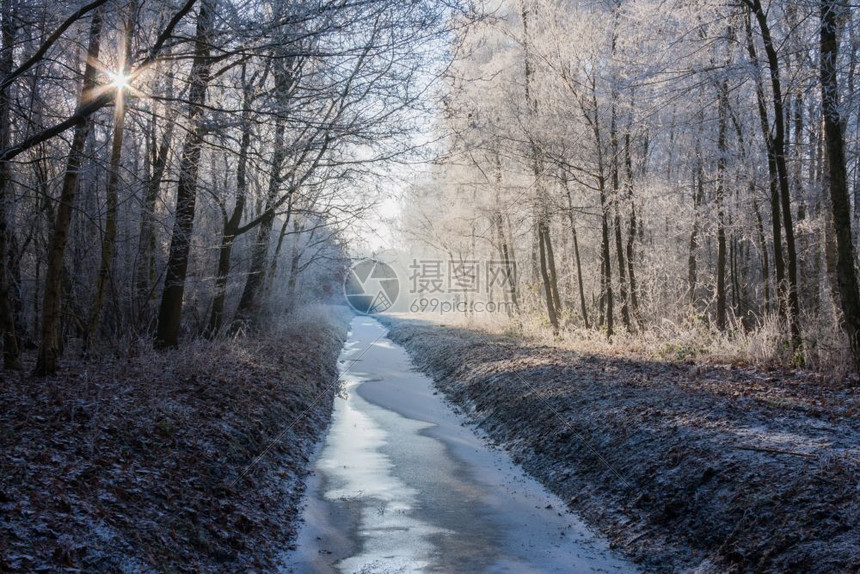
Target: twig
774	450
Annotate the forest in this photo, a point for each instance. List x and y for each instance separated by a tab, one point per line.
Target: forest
165	164
372	286
646	169
674	171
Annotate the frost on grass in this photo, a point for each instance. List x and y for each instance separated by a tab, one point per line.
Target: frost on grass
683	466
139	463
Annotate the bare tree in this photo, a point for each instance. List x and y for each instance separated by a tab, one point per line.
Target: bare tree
170	311
49	349
849	296
7	320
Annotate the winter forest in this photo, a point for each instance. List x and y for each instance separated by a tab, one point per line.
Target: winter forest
245	244
644	167
164	166
659	168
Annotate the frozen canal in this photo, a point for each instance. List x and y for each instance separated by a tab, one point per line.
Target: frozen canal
401	485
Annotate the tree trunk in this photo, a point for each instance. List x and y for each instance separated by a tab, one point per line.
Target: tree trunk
546	258
778	144
631	232
299	227
112	197
606	303
606	277
247	312
231	224
170	310
698	198
849	297
295	260
553	276
622	268
616	204
286	73
550	305
762	243
511	261
773	177
505	244
145	270
11	358
722	151
507	261
49	349
576	255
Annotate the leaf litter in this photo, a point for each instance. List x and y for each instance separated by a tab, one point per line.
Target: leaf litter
181	461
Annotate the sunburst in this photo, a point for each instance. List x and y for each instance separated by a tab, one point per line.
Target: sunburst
120	80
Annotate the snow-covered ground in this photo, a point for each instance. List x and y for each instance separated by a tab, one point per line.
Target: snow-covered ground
403	485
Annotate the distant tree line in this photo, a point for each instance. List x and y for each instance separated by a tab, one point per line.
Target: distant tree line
645	161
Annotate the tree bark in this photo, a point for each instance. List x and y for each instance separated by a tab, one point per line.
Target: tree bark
550	305
112	196
11	358
606	306
246	313
582	305
145	270
546	259
773	177
616	204
231	224
606	277
170	310
722	151
299	227
698	198
762	243
779	153
615	170
49	348
849	296
631	232
550	259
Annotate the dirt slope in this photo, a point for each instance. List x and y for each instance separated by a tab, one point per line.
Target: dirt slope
138	464
697	468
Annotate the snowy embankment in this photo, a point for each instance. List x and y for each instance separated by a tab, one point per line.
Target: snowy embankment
185	460
698	468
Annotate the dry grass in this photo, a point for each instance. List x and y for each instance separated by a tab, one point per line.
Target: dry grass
685	339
